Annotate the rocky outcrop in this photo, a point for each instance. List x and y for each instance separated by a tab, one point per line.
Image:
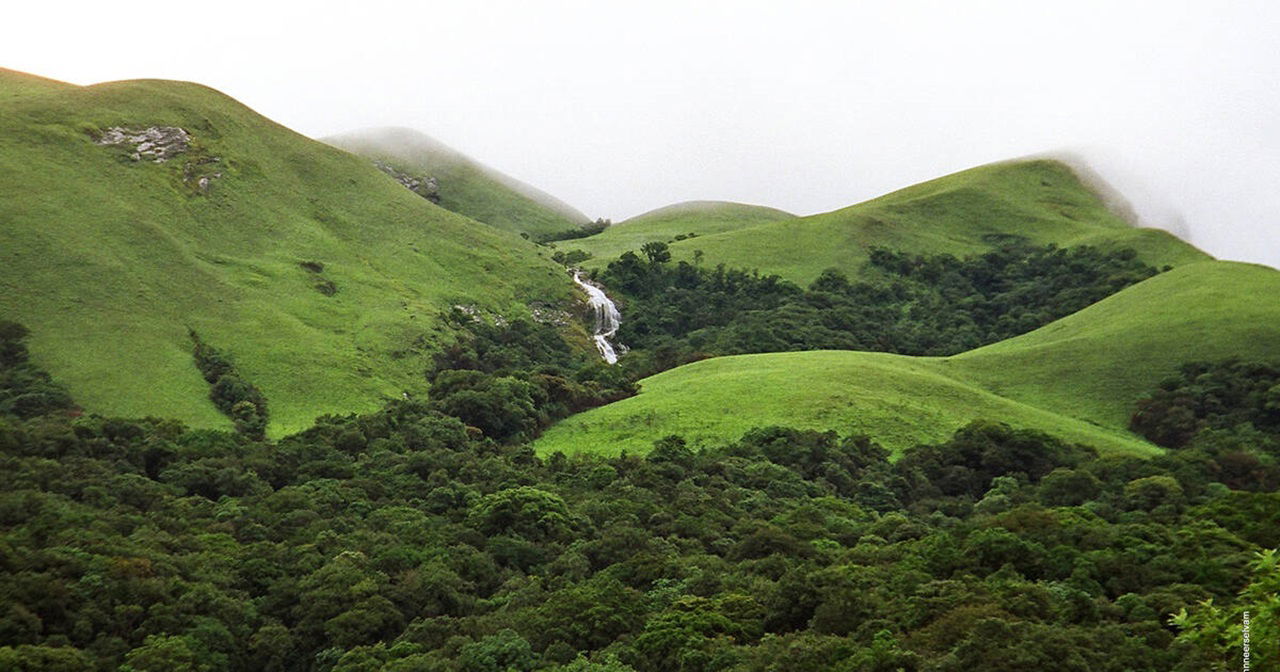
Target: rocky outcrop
425	186
158	143
161	143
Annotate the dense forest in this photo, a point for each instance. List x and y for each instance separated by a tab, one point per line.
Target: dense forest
428	536
906	304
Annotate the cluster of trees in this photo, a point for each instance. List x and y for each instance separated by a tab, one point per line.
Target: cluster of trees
907	304
236	397
25	390
407	540
1206	396
583	231
512	379
1228	410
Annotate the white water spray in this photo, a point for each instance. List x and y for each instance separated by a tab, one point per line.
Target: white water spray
607	318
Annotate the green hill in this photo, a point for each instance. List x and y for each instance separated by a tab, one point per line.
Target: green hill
1093	364
465	185
665	224
1040	201
1076	378
14	85
322	278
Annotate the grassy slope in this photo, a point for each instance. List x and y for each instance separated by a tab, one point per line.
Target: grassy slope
466	186
967	212
109	261
14	85
1094	363
1076	378
664	224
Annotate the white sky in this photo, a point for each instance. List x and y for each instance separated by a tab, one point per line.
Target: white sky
620	107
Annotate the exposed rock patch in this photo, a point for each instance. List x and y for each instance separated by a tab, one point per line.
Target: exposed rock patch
158	143
425	186
550	315
199	175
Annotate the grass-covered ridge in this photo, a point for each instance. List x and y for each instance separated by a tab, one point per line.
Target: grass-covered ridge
1037	201
15	85
670	223
317	274
465	185
1077	378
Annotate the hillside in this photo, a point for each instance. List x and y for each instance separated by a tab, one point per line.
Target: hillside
1092	364
15	85
465	185
703	218
1038	201
109	260
1076	378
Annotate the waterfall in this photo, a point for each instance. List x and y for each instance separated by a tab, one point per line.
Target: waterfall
607	318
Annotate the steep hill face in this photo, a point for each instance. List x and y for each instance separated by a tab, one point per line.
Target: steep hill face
464	185
671	224
1036	201
136	211
1077	378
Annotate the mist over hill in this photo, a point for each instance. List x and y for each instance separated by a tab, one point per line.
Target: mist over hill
465	185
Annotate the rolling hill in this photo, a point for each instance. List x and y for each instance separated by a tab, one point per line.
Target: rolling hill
665	224
15	85
1076	378
322	278
1039	201
465	185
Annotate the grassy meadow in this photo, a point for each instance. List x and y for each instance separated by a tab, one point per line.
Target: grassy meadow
1076	378
110	261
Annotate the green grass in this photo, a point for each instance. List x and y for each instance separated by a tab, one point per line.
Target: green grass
466	186
110	261
1093	364
664	224
1040	201
15	85
1076	378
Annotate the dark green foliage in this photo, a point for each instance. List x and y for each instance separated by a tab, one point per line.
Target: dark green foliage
408	540
1229	410
573	234
26	391
1219	395
909	304
512	379
236	397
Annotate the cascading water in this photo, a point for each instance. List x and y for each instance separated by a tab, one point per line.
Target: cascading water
607	318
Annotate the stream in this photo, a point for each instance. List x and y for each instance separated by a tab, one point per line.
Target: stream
607	318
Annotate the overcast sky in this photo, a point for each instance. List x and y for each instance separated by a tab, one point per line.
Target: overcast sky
621	107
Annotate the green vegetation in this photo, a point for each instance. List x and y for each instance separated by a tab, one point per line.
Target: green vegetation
909	304
1092	489
14	85
898	399
1035	202
26	391
1077	378
669	225
400	540
1211	396
236	397
111	261
465	186
1095	364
